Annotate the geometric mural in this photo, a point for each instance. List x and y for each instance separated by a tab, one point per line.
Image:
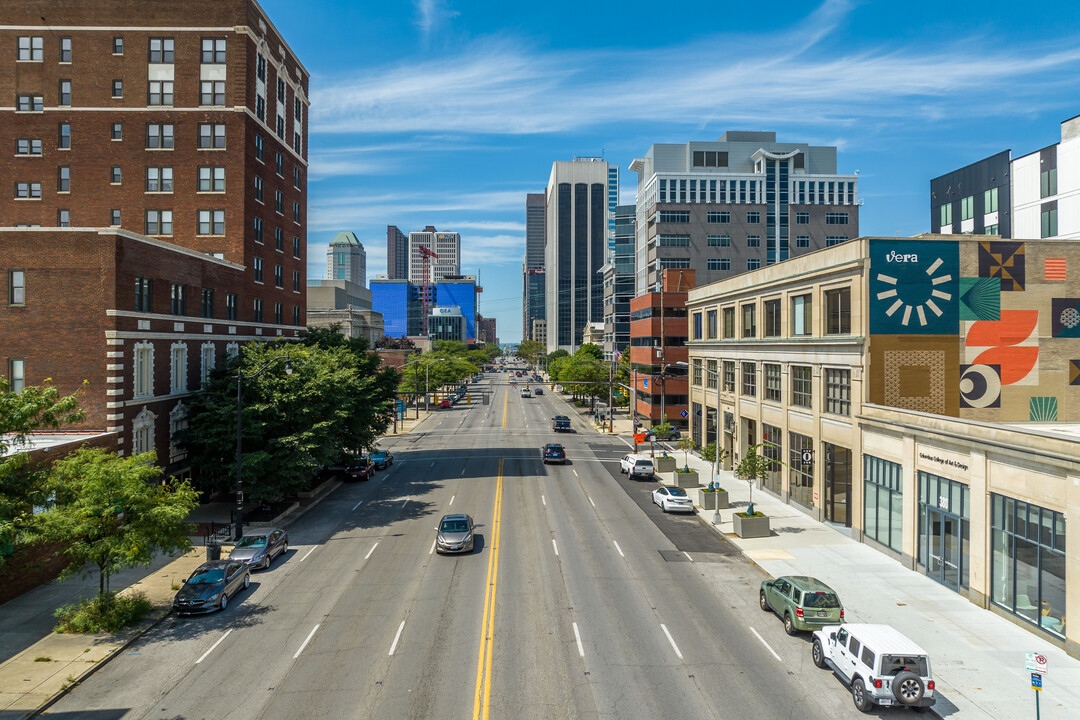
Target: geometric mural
1054	269
914	288
980	386
1065	318
1074	372
1043	409
980	298
915	380
1011	343
1003	260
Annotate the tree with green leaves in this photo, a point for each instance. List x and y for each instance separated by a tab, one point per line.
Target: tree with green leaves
754	466
22	484
686	444
531	351
591	350
111	512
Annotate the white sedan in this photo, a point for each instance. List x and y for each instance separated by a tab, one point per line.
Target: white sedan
526	393
672	499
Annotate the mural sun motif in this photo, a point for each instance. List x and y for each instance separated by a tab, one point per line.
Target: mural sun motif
919	308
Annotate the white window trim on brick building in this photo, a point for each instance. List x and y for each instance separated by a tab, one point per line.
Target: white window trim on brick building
206	354
142	432
232	350
177	422
143	370
178	367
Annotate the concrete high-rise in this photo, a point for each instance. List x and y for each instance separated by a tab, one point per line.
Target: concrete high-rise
397	253
346	259
447	245
618	274
532	272
578	228
737	204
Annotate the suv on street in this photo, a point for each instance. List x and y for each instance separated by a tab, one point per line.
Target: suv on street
804	603
637	466
560	423
553	452
881	666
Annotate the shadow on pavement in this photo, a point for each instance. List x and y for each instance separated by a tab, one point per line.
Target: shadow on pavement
111	714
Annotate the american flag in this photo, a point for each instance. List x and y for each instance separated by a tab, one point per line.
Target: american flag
618	355
1054	268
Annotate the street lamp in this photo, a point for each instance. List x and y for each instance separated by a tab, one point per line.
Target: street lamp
238	521
719	414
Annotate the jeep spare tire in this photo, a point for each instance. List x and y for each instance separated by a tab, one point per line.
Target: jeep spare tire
907	687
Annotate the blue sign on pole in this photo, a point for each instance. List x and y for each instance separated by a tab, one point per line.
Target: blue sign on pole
1036	681
646	381
684	414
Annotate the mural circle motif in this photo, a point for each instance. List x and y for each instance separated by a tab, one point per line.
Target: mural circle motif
980	386
1070	317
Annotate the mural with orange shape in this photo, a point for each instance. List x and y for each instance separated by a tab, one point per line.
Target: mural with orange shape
1012	343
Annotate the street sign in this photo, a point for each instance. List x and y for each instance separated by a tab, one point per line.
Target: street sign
807	457
646	381
1036	681
1035	662
639	437
684	414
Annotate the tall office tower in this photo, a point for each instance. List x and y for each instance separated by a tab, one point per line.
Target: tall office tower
447	245
1013	198
744	201
532	272
577	228
346	259
397	253
618	274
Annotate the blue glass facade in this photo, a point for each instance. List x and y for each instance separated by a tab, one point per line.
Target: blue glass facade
462	295
399	303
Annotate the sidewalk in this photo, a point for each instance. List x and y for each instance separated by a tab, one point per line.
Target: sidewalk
977	656
37	665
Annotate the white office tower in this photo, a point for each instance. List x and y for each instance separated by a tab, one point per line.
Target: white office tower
447	245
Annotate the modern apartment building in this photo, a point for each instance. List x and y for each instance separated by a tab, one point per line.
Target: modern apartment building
532	272
447	245
397	253
1033	196
658	354
918	391
346	259
618	274
743	202
174	137
578	225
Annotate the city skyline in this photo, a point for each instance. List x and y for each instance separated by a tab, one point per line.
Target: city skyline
478	100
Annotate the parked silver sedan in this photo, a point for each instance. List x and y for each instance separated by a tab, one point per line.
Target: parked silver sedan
258	548
454	534
672	499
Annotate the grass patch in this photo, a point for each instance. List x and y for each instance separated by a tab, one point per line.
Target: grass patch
43	658
102	613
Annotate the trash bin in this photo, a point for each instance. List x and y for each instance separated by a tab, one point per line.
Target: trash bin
213	551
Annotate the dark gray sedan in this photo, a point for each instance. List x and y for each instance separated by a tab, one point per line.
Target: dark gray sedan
258	548
454	534
210	587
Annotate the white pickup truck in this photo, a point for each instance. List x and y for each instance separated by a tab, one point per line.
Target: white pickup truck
881	666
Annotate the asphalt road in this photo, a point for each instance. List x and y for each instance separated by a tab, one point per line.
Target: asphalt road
582	600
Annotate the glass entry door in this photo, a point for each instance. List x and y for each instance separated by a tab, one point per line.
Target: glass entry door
944	541
837	484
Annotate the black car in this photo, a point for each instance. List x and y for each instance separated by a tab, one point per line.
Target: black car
362	468
538	391
210	587
553	452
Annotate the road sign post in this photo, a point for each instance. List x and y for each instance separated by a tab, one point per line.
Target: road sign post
1037	664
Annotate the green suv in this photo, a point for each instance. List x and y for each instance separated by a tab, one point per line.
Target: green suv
805	603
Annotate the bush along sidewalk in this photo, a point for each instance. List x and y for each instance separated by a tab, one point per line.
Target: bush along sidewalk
106	612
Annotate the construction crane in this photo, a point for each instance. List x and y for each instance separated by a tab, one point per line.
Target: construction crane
425	291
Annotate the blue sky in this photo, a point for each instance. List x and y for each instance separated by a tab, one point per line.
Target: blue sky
446	112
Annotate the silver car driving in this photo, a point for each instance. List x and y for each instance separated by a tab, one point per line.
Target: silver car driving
454	534
258	548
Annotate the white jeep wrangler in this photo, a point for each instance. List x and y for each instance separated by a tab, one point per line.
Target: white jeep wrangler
881	666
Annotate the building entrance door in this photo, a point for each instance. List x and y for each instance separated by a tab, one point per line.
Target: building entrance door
944	541
837	484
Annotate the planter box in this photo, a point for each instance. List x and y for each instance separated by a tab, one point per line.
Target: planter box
686	480
664	464
713	500
751	527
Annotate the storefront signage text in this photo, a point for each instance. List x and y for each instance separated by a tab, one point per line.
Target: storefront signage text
943	461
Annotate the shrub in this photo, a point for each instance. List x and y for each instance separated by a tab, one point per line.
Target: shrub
708	452
107	612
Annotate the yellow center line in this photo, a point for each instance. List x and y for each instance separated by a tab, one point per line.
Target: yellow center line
506	401
482	697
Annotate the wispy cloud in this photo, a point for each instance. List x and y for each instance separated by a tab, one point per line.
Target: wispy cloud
436	207
502	86
430	14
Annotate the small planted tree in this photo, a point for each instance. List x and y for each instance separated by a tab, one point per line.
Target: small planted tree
686	445
753	466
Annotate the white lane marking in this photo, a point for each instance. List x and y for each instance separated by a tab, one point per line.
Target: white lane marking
462	471
432	548
432	463
618	548
404	503
203	656
688	556
580	647
575	472
543	499
308	554
451	500
306	641
371	551
671	640
357	505
556	546
397	637
765	644
591	501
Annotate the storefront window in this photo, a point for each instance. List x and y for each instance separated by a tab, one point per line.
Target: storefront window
944	512
801	476
1027	574
884	502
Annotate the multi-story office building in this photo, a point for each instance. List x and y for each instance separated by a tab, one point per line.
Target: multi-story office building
577	230
459	292
447	245
658	356
397	253
347	306
532	272
539	331
909	389
737	204
346	259
1035	195
446	323
398	301
486	331
176	136
618	274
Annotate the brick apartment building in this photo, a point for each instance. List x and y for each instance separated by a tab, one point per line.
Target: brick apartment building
658	334
158	199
